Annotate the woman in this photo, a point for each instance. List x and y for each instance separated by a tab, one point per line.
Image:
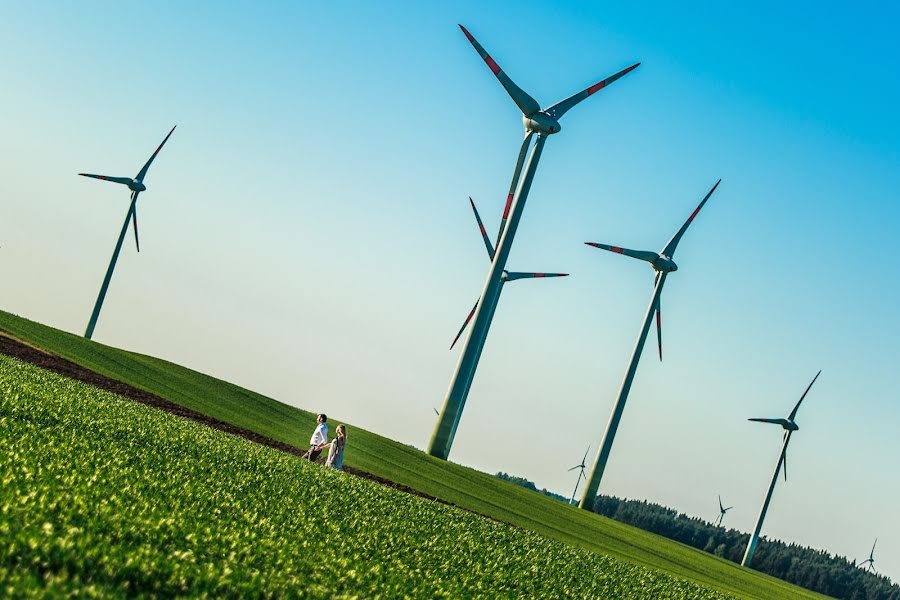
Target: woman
336	449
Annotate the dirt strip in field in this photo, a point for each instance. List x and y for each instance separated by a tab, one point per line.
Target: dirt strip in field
11	346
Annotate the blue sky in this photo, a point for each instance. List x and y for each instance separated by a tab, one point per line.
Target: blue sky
306	231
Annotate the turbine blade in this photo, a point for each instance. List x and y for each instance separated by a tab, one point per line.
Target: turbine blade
784	460
573	468
562	107
721	508
143	171
526	103
796	408
659	325
669	250
137	242
484	235
774	421
122	180
514	275
515	182
466	322
584	458
649	257
435	411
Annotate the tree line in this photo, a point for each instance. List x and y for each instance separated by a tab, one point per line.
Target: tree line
815	570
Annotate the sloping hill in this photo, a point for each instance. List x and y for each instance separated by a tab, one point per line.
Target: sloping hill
459	485
105	497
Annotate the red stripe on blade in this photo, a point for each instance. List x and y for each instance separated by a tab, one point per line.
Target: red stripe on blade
602	84
494	66
508	204
596	88
616	249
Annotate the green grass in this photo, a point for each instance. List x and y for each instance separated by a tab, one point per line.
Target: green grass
102	496
368	451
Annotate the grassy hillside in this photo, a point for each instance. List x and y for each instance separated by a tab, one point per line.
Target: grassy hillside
103	496
381	456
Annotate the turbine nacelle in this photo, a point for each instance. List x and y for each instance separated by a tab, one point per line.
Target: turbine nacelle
541	123
664	264
137	186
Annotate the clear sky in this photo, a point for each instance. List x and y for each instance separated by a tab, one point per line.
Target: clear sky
307	234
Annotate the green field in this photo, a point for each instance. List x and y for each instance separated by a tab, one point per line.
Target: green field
104	494
453	483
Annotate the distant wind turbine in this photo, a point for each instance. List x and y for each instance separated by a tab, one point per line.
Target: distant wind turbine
581	476
722	511
507	275
790	426
870	562
543	122
663	263
136	186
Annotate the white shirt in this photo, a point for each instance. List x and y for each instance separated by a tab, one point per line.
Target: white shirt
320	435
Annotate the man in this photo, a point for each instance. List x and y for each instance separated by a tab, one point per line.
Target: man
319	438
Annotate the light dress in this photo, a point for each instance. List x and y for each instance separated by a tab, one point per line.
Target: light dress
336	454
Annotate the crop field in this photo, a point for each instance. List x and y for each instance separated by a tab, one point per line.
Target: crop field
104	496
578	530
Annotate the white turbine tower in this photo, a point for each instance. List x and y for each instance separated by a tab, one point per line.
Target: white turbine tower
870	562
790	426
582	466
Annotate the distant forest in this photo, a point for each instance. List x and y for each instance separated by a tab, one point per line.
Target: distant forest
812	569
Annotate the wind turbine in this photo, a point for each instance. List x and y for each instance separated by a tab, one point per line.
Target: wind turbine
507	275
663	263
136	186
543	123
790	426
581	476
871	560
722	511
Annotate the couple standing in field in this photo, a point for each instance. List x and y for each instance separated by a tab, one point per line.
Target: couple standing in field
319	441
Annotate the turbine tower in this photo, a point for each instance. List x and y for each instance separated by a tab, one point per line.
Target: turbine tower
136	186
581	476
870	561
505	277
790	426
722	511
543	123
663	263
